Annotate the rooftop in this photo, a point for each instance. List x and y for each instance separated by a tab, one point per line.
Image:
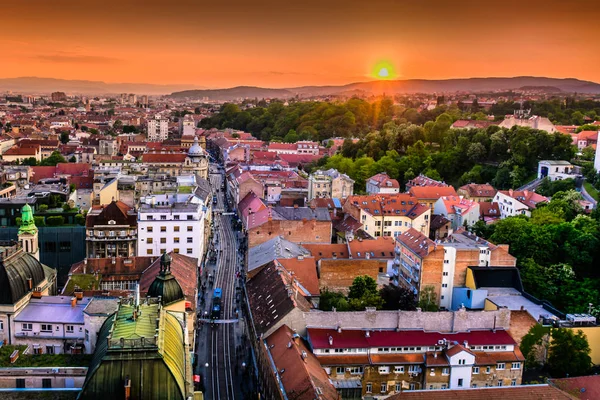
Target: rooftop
53	309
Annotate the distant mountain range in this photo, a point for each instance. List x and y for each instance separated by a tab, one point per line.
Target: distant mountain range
400	86
34	85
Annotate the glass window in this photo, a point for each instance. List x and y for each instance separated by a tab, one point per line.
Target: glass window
460	382
150	229
163	240
163	228
46	328
70	329
190	240
475	370
176	229
190	228
384	387
500	366
150	240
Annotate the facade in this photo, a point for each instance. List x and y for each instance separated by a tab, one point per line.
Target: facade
382	183
477	192
517	202
379	363
187	125
329	184
111	231
388	215
442	265
428	195
555	170
158	128
171	223
460	211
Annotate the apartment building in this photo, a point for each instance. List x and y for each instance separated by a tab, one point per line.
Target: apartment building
171	222
428	195
329	184
378	363
382	183
111	231
388	214
458	210
517	202
442	265
477	192
158	128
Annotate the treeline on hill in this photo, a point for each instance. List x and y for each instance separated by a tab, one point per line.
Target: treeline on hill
506	158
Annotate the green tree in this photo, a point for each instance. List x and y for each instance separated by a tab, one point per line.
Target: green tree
53	159
569	353
537	337
329	300
43	208
397	298
55	220
32	162
428	299
79	219
361	286
64	137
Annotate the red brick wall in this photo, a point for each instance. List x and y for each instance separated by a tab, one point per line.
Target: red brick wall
338	274
295	231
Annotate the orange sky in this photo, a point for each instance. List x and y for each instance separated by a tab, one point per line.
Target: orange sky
273	43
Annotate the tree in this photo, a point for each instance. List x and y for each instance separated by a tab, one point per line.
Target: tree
569	353
428	299
532	342
31	161
53	159
397	298
64	137
55	220
330	300
361	286
43	208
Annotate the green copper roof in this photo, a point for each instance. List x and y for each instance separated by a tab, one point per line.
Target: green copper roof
156	366
27	222
166	286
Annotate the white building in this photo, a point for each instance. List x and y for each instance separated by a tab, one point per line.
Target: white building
158	128
172	222
597	159
187	126
382	183
517	202
555	170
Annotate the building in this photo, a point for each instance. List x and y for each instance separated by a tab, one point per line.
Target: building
175	164
429	195
382	183
28	233
517	202
477	192
158	128
388	214
423	180
289	369
555	170
524	120
538	391
141	350
111	231
384	362
169	223
597	159
442	265
187	125
585	138
19	153
58	96
460	211
329	184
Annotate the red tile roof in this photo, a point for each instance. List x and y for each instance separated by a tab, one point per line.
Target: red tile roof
525	392
305	271
185	270
399	204
581	387
381	247
431	192
357	338
382	180
300	372
319	251
527	197
479	190
417	242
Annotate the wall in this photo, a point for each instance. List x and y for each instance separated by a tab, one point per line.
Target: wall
593	337
338	274
305	231
61	377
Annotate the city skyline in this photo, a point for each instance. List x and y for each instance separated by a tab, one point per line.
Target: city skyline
273	45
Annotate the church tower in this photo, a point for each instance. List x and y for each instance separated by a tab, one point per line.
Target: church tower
28	232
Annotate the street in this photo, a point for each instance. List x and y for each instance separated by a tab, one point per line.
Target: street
222	348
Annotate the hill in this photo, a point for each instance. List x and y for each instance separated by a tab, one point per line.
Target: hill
233	93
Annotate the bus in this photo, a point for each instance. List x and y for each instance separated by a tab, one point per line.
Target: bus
216	304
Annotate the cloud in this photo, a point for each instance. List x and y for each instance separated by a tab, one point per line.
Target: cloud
76	59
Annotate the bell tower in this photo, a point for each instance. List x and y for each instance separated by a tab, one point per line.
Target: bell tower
28	232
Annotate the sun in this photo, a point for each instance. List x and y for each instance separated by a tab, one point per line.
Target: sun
383	70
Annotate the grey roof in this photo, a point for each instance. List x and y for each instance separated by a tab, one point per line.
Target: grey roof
270	250
203	190
15	270
300	213
53	309
102	306
556	162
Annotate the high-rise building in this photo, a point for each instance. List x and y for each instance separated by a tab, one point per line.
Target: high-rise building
158	128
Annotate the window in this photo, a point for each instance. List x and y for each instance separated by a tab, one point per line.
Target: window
384	387
444	285
46	328
445	273
176	250
87	335
163	217
513	382
190	217
176	240
27	327
488	370
500	382
150	217
500	366
444	386
384	370
355	370
70	329
163	240
461	361
190	228
515	365
65	247
47	383
399	369
190	240
149	252
339	370
150	229
369	386
150	240
460	382
189	251
473	385
444	371
20	383
163	228
412	386
49	349
176	228
1	325
475	370
413	368
176	217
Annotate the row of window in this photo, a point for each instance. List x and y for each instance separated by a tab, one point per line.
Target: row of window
164	229
26	326
164	217
164	240
46	383
412	386
150	252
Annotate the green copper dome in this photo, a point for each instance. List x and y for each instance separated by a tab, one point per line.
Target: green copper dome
165	285
27	222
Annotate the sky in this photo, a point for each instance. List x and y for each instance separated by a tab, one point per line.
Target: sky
294	43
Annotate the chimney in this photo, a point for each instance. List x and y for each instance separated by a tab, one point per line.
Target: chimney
127	388
435	354
295	205
304	355
330	341
466	344
30	283
73	301
510	192
367	334
78	293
